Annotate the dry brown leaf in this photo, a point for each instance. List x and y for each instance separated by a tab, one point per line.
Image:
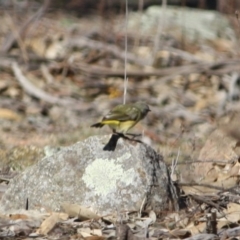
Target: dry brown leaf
223	223
226	181
74	210
198	190
153	216
88	232
85	232
234	171
110	218
171	219
9	114
26	214
196	228
211	176
49	223
95	238
63	216
13	92
97	232
183	222
221	44
232	212
3	85
218	147
18	216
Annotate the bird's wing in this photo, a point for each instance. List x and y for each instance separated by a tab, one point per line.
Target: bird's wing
123	113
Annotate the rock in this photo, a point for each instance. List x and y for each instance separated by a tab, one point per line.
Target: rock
197	24
218	166
219	150
219	147
106	181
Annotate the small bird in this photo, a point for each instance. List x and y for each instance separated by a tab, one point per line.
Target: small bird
124	116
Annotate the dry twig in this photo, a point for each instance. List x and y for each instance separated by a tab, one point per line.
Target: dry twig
167	74
111	48
40	94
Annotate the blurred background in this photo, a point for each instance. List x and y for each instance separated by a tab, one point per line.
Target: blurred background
86	6
62	69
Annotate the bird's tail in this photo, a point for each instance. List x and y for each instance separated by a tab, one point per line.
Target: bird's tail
98	125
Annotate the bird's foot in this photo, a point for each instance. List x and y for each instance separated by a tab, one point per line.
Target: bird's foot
133	135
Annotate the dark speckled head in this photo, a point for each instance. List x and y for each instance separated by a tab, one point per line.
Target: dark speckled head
143	107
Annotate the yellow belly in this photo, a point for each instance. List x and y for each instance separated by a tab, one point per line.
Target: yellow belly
121	127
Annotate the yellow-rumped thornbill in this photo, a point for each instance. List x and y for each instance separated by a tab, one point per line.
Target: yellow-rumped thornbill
120	119
124	116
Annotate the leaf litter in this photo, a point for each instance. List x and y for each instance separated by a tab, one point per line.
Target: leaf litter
194	97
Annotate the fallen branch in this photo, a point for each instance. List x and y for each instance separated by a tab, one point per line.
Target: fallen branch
184	55
108	72
167	74
40	94
203	199
30	88
111	48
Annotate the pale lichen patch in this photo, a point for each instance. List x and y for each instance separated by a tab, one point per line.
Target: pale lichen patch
102	175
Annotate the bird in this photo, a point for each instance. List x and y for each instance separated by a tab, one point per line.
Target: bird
123	117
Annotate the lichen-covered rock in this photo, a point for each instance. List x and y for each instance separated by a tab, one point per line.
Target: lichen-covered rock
105	181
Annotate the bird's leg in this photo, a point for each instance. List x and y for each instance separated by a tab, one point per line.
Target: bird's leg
130	139
133	139
133	135
121	135
127	138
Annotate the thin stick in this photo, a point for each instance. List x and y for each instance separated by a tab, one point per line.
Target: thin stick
174	164
166	74
161	25
126	49
36	92
141	208
30	88
79	42
125	90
